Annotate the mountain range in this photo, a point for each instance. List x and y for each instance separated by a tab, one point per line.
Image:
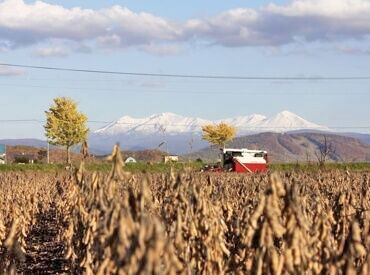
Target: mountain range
182	135
179	134
174	124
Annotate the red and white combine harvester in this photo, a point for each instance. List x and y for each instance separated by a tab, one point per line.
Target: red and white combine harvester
241	161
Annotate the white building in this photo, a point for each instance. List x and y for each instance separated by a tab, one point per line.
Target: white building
170	158
130	160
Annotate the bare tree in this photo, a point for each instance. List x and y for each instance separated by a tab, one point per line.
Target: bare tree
191	142
325	150
162	130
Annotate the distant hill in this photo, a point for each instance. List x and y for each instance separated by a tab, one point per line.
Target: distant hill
38	143
292	146
26	142
38	154
365	138
295	147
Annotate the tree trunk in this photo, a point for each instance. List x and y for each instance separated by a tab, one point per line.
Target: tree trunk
68	156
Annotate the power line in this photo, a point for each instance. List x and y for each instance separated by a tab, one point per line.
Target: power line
230	77
175	124
213	92
21	120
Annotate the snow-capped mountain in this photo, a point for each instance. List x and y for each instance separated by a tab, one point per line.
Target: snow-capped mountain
287	121
168	123
284	121
183	134
244	123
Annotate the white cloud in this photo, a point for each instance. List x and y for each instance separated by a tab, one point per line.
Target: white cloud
51	52
303	21
274	25
22	24
109	41
9	71
326	8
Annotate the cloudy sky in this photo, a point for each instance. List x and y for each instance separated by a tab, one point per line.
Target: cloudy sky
301	38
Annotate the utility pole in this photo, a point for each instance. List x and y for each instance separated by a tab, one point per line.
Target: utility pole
162	129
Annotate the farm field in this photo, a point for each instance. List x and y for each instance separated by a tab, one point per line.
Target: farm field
167	223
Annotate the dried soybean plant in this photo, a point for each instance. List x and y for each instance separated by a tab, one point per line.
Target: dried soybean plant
22	198
184	223
113	230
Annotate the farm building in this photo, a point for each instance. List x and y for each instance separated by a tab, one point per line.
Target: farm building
130	160
24	158
171	158
2	158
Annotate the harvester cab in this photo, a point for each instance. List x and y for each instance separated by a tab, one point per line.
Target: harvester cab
244	160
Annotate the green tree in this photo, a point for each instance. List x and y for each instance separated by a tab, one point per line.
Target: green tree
218	134
65	125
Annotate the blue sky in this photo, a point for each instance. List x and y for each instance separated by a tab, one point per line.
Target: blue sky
248	38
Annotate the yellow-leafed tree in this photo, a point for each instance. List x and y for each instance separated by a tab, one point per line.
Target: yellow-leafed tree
218	134
65	125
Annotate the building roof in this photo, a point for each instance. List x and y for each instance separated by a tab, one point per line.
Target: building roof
130	159
243	150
